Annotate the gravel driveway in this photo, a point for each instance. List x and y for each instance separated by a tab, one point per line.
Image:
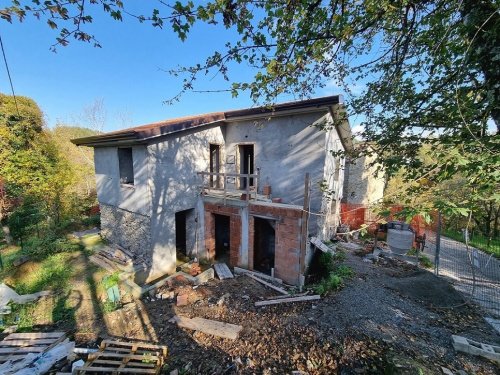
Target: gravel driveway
454	263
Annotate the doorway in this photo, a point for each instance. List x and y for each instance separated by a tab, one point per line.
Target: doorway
215	165
264	245
181	233
246	164
222	238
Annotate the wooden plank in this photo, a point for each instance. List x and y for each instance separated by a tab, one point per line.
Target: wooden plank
35	335
114	370
26	349
5	358
242	271
287	300
99	261
223	271
210	327
139	357
287	296
130	364
320	245
27	342
278	289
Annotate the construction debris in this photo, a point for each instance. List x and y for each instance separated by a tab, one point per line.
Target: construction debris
7	295
465	345
349	246
278	289
321	246
242	271
210	327
122	357
36	351
287	300
84	233
223	271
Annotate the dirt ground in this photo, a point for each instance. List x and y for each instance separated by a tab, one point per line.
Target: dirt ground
390	318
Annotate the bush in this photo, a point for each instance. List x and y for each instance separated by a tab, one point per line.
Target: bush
39	248
322	265
344	271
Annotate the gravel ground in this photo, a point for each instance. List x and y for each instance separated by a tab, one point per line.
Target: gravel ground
389	318
454	263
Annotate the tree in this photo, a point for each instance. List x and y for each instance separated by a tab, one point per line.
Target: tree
31	167
429	68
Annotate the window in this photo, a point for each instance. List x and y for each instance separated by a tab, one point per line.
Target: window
126	165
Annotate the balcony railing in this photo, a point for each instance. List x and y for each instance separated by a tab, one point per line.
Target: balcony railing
244	186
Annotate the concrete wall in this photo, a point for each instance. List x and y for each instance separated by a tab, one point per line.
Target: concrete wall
132	198
286	148
363	185
174	185
333	181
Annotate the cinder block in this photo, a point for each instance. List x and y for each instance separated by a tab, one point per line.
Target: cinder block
465	345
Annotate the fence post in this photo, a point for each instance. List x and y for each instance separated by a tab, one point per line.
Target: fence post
438	244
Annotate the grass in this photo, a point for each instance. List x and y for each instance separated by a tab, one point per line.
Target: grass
490	246
423	260
51	273
336	273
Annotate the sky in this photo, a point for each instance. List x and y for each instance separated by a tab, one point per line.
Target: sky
128	73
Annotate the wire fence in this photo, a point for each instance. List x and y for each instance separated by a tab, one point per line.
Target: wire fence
472	268
472	271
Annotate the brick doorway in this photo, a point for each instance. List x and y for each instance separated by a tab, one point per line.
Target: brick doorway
222	237
264	245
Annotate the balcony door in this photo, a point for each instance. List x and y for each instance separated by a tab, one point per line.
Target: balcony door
246	164
215	166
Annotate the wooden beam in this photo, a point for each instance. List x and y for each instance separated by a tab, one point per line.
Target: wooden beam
304	228
287	296
223	271
210	327
287	300
278	289
242	271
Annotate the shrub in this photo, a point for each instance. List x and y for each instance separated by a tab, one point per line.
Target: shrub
344	271
425	262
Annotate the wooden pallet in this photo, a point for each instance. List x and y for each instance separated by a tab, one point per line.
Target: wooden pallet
115	357
18	345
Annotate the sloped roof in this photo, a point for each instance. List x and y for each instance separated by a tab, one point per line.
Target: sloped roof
143	133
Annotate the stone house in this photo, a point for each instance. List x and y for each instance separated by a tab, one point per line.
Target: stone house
227	186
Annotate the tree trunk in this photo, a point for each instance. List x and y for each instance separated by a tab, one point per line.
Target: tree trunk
6	234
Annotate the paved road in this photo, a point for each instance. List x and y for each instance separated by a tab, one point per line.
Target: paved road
454	263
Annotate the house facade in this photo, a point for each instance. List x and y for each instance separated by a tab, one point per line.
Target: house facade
245	187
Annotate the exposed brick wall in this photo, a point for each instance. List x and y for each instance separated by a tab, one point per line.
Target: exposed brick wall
234	229
288	238
287	230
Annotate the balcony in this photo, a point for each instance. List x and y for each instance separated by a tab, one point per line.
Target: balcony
242	187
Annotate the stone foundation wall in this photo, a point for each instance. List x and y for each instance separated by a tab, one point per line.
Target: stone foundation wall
130	230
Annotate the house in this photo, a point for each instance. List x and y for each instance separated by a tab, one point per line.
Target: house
364	186
226	186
